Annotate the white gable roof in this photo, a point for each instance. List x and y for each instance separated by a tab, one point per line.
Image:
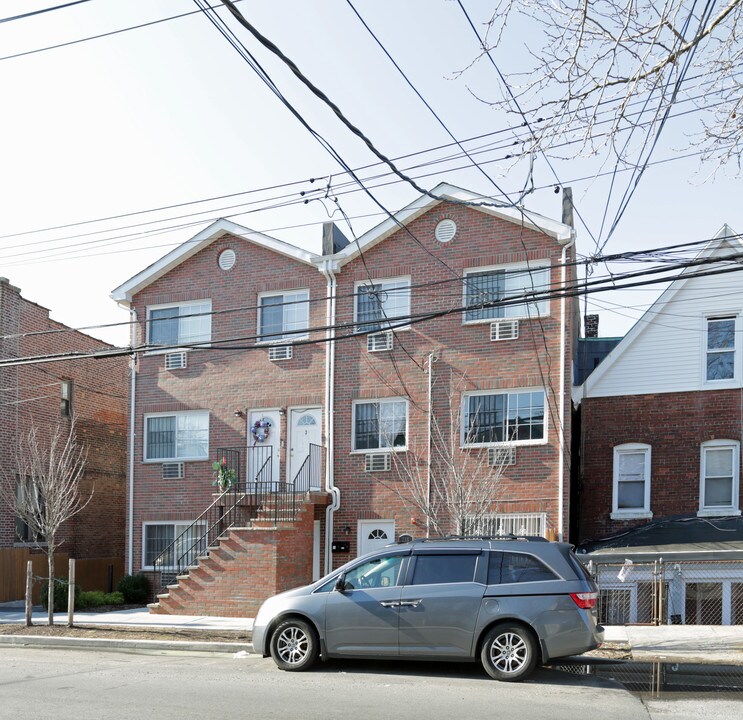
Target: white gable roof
600	381
444	191
208	235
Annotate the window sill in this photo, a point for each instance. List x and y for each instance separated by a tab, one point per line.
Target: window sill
175	349
377	451
719	512
520	318
160	461
634	515
286	341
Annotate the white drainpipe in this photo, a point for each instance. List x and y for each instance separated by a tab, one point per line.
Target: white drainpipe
326	269
561	428
130	510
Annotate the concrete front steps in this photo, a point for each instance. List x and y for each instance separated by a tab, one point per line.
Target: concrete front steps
247	565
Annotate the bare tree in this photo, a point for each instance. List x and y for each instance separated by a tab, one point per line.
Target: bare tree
604	66
43	489
459	486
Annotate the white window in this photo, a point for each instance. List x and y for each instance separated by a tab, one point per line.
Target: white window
720	481
381	301
484	290
284	316
511	417
158	537
181	324
720	348
177	436
380	425
631	481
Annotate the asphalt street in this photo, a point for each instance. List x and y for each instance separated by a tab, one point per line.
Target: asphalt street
55	684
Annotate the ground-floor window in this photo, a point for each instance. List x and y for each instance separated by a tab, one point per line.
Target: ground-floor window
178	539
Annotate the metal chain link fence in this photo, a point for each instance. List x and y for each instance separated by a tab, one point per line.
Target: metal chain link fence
689	592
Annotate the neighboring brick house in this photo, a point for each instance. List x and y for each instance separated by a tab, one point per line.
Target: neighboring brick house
257	331
661	421
44	394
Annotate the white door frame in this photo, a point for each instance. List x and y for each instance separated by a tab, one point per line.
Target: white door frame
289	410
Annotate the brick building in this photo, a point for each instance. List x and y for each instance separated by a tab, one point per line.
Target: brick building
42	395
316	371
661	433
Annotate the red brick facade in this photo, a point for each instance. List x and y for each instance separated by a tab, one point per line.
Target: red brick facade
31	396
240	376
675	425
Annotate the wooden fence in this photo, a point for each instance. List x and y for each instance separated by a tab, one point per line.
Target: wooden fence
90	573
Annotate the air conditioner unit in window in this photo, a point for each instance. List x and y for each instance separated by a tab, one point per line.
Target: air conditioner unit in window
504	330
378	462
498	457
379	342
173	471
280	352
176	361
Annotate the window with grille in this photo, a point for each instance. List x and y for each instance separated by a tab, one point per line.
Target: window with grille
180	324
177	436
380	424
492	293
504	417
381	301
283	317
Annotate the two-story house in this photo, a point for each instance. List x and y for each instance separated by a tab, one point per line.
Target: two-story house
661	421
43	395
323	374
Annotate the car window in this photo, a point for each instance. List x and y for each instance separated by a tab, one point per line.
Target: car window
524	568
380	572
437	569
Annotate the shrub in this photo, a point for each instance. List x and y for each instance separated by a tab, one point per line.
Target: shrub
60	594
90	598
114	598
134	588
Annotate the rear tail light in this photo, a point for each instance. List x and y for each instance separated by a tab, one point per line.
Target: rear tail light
585	600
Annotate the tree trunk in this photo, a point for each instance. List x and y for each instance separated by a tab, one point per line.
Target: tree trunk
50	592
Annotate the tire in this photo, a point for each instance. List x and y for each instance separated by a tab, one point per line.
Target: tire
509	653
294	646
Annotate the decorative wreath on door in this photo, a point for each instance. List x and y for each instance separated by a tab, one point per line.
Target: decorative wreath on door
261	429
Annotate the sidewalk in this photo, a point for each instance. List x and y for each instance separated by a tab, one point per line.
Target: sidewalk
717	644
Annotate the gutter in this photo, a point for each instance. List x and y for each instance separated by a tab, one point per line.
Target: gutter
327	268
130	502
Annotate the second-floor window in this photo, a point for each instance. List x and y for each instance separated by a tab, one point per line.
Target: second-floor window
66	398
180	324
381	301
283	316
503	417
485	290
631	479
380	425
177	436
721	348
720	481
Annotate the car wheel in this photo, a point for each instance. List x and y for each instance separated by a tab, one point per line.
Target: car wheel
294	645
509	652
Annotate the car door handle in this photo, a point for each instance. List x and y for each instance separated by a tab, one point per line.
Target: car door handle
410	603
390	603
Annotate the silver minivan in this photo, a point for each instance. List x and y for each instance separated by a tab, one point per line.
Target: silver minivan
512	603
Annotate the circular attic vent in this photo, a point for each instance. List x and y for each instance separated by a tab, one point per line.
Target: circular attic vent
227	259
445	231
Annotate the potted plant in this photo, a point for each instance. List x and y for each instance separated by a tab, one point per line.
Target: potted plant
224	476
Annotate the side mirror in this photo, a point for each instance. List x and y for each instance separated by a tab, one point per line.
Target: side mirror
340	583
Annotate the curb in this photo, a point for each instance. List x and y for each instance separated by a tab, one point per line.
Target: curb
125	645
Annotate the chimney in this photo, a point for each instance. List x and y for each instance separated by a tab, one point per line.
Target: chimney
591	326
333	240
567	206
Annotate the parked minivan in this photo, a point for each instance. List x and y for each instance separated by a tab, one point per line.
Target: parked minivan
513	603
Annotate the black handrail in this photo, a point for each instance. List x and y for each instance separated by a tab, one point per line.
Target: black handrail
268	500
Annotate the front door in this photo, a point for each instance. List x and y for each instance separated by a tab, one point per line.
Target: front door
264	442
375	534
305	429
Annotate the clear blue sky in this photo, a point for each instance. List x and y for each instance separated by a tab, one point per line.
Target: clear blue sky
170	113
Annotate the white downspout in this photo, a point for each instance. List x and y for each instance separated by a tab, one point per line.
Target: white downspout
430	444
561	428
130	510
335	503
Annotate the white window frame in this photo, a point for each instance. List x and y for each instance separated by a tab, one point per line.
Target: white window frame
721	314
520	311
178	527
204	341
175	458
380	449
643	513
506	442
383	324
290	297
717	510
